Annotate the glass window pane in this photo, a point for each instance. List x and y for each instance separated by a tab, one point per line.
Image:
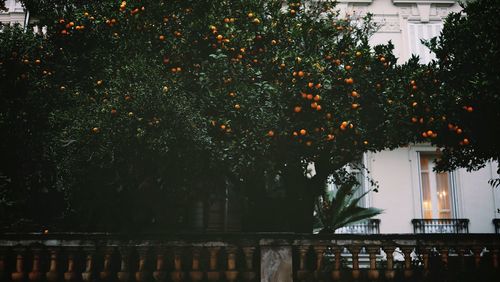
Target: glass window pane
426	195
443	194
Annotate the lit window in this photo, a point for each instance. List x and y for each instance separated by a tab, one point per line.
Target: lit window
436	190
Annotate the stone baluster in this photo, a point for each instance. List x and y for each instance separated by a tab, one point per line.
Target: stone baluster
70	274
196	274
461	257
319	252
52	275
494	257
408	272
425	258
477	256
89	265
159	274
18	275
141	275
177	275
373	273
303	273
249	274
2	265
105	274
35	274
336	264
389	270
356	273
123	274
213	274
445	251
231	272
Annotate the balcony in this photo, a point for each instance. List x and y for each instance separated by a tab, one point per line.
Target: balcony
440	226
370	226
283	257
496	222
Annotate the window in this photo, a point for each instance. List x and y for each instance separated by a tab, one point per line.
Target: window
418	32
357	169
436	188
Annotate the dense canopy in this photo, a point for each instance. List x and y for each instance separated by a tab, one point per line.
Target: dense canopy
127	111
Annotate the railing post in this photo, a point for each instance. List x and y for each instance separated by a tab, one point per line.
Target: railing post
494	257
336	275
303	273
213	274
177	275
408	272
18	275
123	274
318	273
2	264
195	274
70	274
477	256
231	272
159	274
105	274
389	271
52	274
141	275
89	264
373	273
35	274
356	273
249	274
425	257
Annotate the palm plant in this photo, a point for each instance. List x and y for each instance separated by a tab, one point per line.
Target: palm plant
340	208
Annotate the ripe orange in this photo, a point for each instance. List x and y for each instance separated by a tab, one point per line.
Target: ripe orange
314	105
318	108
349	80
309	96
95	130
317	98
237	106
310	84
161	37
270	133
354	94
303	132
354	106
348	68
301	74
297	109
465	141
330	137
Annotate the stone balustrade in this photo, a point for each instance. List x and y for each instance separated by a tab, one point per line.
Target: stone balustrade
247	257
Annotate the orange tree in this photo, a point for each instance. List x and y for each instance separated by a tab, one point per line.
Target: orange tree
467	93
158	101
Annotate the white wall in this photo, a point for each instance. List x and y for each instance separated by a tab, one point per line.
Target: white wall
14	13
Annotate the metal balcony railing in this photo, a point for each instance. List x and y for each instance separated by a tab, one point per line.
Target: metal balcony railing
440	226
496	222
370	226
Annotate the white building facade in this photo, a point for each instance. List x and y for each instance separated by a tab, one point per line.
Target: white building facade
410	191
